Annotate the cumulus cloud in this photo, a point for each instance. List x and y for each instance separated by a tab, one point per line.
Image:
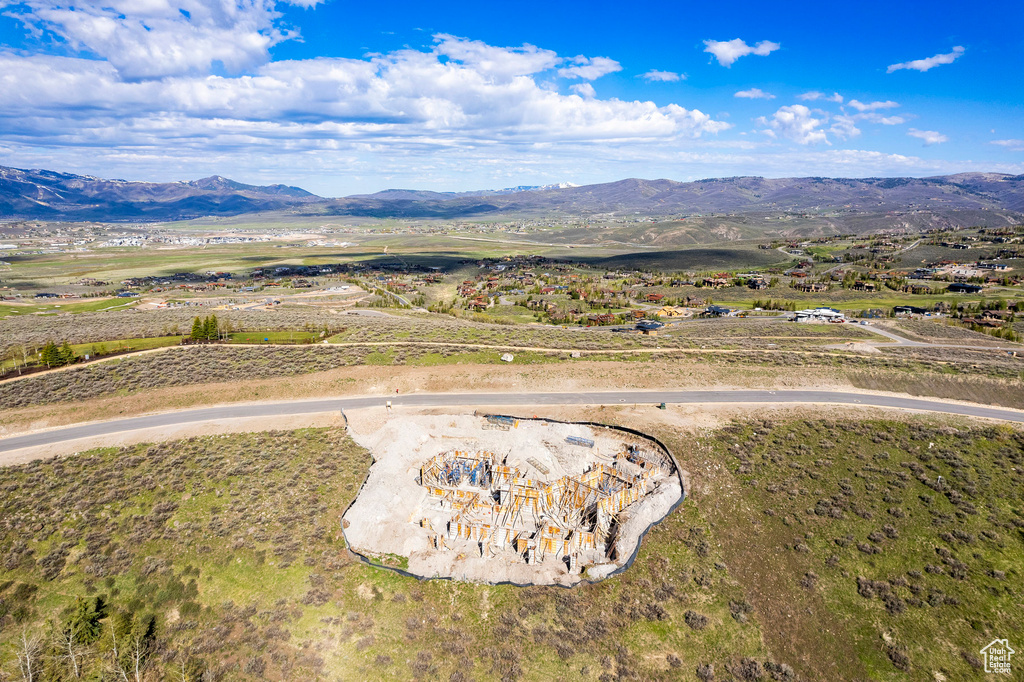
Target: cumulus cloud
662	76
872	106
797	123
584	90
499	62
589	68
930	137
928	63
158	38
844	127
754	93
814	95
458	94
728	51
1012	145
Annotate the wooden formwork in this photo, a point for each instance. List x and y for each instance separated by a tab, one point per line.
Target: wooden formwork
577	511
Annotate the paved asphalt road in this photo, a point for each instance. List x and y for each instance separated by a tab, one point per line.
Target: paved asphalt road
514	402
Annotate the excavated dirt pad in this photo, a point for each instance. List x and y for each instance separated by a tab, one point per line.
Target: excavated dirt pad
384	520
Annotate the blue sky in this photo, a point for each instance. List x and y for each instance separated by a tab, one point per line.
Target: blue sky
343	98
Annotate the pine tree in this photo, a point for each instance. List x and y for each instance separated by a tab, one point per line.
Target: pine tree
84	620
65	355
50	356
212	328
197	329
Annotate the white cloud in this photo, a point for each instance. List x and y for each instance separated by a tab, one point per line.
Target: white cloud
728	51
928	63
797	123
1012	145
844	127
754	93
584	90
157	38
814	95
662	76
878	118
461	93
502	63
930	137
589	68
872	106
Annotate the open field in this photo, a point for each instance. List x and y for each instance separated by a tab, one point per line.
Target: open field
892	548
298	324
36	272
941	331
110	327
87	306
791	576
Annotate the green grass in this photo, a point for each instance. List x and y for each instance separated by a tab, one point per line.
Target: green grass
850	502
97	350
124	345
86	306
273	337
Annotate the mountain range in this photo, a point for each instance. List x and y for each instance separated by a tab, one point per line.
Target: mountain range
43	194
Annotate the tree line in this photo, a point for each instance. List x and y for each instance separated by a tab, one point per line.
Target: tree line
90	640
205	329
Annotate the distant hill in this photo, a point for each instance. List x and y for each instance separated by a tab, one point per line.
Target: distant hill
965	191
44	194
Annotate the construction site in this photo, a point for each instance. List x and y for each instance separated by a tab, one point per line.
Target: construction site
488	498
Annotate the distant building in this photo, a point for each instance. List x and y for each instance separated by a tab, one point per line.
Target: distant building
716	311
819	315
813	287
962	288
910	310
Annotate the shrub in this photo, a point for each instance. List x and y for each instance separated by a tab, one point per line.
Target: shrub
695	621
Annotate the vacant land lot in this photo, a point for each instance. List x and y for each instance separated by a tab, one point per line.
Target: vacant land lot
942	331
817	548
893	549
33	331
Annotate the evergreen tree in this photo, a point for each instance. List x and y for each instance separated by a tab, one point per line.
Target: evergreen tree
84	621
212	328
65	355
197	329
50	356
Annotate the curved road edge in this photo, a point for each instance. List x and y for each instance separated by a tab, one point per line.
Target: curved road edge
305	406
